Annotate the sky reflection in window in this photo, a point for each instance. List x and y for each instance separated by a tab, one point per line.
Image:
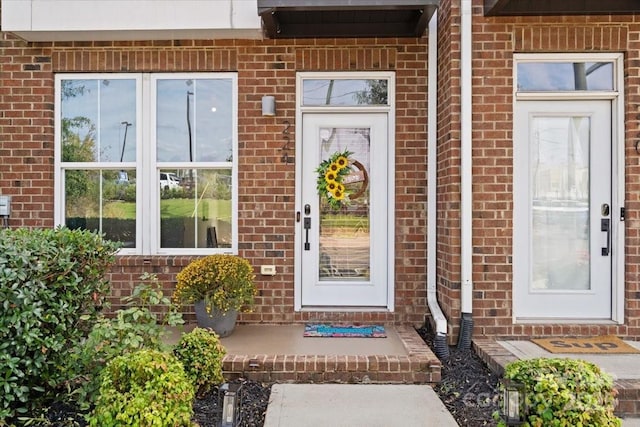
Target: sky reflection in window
565	76
194	120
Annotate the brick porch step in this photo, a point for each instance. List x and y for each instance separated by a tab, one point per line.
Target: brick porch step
417	366
628	398
496	357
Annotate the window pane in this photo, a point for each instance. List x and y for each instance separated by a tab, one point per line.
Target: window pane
98	120
565	76
560	203
194	120
195	208
103	201
345	235
344	92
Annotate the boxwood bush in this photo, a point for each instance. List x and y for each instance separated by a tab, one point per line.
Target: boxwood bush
51	282
564	392
144	388
201	353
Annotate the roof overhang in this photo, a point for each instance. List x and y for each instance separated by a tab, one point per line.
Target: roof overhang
345	18
559	7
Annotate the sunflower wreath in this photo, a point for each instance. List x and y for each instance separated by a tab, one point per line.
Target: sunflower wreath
331	172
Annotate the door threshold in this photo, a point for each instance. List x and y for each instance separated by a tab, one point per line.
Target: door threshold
345	308
555	320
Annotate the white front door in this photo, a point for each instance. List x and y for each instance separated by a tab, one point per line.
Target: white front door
344	247
562	209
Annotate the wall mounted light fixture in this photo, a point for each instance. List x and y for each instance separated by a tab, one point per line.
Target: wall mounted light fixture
268	106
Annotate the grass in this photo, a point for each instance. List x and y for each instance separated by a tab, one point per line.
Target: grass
172	208
119	209
347	221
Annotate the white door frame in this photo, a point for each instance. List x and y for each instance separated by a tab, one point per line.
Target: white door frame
546	300
389	110
616	96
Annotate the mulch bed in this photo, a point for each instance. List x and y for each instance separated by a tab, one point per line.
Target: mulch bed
255	397
468	389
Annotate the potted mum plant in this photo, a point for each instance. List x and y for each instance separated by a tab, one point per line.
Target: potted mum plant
219	286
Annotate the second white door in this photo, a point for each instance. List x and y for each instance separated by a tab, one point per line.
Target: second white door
563	213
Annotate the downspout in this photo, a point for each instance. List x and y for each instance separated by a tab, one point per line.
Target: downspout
440	341
466	220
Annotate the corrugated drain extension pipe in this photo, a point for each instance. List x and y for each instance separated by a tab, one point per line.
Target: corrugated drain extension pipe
466	220
441	348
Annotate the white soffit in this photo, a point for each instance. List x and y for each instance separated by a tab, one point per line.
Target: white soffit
57	20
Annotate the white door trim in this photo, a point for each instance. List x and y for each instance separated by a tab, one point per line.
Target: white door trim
618	158
390	110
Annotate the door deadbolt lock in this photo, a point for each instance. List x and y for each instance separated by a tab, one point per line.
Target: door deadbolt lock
605	209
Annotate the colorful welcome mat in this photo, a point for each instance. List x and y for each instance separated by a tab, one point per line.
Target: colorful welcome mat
608	344
344	331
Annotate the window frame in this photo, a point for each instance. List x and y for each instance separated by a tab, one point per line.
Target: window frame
146	164
614	58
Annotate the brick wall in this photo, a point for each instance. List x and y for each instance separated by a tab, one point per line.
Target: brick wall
266	219
26	132
448	192
495	39
266	211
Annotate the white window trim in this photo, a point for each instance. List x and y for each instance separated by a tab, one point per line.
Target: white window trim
618	156
391	129
147	202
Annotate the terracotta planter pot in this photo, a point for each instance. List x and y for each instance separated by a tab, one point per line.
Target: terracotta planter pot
222	323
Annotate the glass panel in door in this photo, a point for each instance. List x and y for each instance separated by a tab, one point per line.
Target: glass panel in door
344	231
560	234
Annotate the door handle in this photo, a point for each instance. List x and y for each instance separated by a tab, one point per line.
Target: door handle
307	227
605	225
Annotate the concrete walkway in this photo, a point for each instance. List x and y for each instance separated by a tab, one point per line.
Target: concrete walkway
356	405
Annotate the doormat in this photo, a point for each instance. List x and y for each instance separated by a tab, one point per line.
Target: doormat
344	331
608	344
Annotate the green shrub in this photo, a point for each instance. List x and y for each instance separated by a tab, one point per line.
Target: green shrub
133	328
201	354
144	388
564	392
51	283
175	193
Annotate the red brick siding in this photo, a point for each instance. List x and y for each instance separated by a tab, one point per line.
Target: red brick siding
448	187
266	185
495	39
26	132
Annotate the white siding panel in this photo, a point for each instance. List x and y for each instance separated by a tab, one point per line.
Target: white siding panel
130	19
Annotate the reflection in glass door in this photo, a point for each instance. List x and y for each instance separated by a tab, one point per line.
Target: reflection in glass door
344	230
560	158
